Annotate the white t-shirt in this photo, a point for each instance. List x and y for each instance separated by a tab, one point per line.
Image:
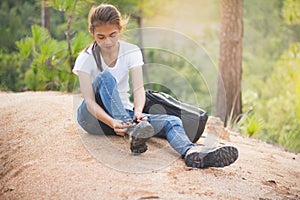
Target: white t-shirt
129	56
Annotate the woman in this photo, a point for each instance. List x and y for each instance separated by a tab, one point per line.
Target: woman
106	108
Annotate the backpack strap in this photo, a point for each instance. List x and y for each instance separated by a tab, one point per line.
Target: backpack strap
96	54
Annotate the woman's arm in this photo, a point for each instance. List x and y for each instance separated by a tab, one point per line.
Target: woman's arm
96	110
138	92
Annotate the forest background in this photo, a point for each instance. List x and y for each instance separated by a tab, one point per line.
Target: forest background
32	58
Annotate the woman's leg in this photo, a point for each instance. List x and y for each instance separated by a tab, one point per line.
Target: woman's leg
171	128
90	124
107	96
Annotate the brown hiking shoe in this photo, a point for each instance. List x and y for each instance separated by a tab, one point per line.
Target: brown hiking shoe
139	134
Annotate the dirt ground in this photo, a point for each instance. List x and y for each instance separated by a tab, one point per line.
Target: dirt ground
44	154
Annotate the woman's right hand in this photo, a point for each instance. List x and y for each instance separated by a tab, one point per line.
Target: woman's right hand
120	127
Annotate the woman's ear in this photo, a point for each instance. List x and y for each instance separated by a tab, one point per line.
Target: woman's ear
91	31
121	29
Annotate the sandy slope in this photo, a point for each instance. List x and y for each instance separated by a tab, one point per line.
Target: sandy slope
45	155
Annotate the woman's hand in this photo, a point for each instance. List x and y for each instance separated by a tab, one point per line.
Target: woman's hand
138	117
120	127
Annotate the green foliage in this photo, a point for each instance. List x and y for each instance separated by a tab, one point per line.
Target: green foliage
63	5
250	124
270	72
254	125
49	68
275	112
15	18
49	61
10	72
291	11
266	37
287	75
44	54
247	122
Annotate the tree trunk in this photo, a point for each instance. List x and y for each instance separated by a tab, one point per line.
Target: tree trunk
45	15
229	102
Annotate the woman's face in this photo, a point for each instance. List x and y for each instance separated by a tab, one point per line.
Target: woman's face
107	36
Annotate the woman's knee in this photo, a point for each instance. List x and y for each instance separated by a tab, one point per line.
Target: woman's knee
174	120
108	77
105	77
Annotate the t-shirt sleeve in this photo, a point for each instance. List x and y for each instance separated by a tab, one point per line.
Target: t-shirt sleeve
84	63
135	58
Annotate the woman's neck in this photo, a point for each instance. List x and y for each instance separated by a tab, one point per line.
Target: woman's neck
111	57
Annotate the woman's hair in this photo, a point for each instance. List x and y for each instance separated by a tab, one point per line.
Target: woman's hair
105	14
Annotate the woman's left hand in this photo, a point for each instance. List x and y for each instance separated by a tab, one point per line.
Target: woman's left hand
138	117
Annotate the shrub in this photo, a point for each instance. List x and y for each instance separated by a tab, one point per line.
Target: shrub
278	105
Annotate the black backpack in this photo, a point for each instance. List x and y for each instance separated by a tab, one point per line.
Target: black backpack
193	118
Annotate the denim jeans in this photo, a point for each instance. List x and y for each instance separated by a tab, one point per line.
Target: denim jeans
107	96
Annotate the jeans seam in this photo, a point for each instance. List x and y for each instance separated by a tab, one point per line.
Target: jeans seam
110	96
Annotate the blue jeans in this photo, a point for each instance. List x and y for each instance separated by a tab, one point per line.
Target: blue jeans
107	96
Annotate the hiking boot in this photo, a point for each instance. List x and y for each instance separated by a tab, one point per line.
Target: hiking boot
139	134
218	157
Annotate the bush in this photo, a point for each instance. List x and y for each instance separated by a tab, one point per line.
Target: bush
278	105
11	78
49	62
